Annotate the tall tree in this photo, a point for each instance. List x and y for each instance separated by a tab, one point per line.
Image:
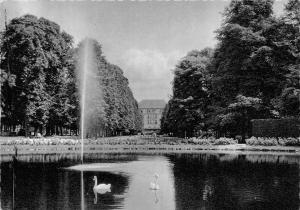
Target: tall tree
40	89
254	73
115	110
288	103
250	59
34	52
244	61
186	109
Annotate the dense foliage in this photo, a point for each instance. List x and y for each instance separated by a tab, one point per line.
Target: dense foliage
187	108
253	73
287	127
117	109
39	86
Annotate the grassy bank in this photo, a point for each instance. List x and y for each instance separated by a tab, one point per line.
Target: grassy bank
117	140
139	144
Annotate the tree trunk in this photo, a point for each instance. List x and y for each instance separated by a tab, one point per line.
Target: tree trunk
26	126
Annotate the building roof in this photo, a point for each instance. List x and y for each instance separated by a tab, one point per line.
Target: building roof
152	103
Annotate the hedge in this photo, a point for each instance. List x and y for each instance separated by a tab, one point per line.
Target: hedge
265	141
288	127
212	141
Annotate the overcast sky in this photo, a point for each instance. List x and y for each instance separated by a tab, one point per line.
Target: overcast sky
145	38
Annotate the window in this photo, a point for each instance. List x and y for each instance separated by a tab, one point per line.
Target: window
152	119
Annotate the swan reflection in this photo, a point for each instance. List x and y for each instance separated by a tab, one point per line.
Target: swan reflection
154	187
155	196
102	191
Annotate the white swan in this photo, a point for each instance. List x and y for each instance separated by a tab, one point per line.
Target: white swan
154	185
101	188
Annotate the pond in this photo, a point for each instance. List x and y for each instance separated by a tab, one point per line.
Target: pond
186	181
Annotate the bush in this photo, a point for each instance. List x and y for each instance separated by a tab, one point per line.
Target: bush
251	141
273	141
262	141
225	141
289	141
201	141
212	141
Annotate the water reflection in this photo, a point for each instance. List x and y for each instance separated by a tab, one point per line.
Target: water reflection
44	186
69	158
156	200
140	174
101	192
215	183
82	190
187	181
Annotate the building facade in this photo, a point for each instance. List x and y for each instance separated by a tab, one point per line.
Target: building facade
152	112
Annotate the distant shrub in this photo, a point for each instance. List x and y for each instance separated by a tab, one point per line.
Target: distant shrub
225	141
268	141
213	141
201	141
291	141
251	141
43	141
132	140
262	141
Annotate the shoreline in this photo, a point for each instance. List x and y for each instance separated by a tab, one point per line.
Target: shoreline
148	149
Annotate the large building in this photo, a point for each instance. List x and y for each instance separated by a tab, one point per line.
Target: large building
152	112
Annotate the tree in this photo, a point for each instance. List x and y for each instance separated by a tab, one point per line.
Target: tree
252	59
238	116
40	89
164	123
186	110
122	111
253	73
244	59
34	52
111	106
288	103
5	78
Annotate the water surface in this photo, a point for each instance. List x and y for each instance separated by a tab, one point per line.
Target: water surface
187	181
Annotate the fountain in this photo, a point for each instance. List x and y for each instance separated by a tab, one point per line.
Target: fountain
83	94
84	74
91	109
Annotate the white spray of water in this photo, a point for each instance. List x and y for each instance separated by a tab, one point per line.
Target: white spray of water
91	101
84	67
83	93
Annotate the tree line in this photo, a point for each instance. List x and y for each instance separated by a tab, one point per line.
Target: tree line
39	89
252	73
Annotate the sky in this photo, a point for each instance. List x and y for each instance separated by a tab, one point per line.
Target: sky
145	38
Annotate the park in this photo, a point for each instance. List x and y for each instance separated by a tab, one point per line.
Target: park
73	135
